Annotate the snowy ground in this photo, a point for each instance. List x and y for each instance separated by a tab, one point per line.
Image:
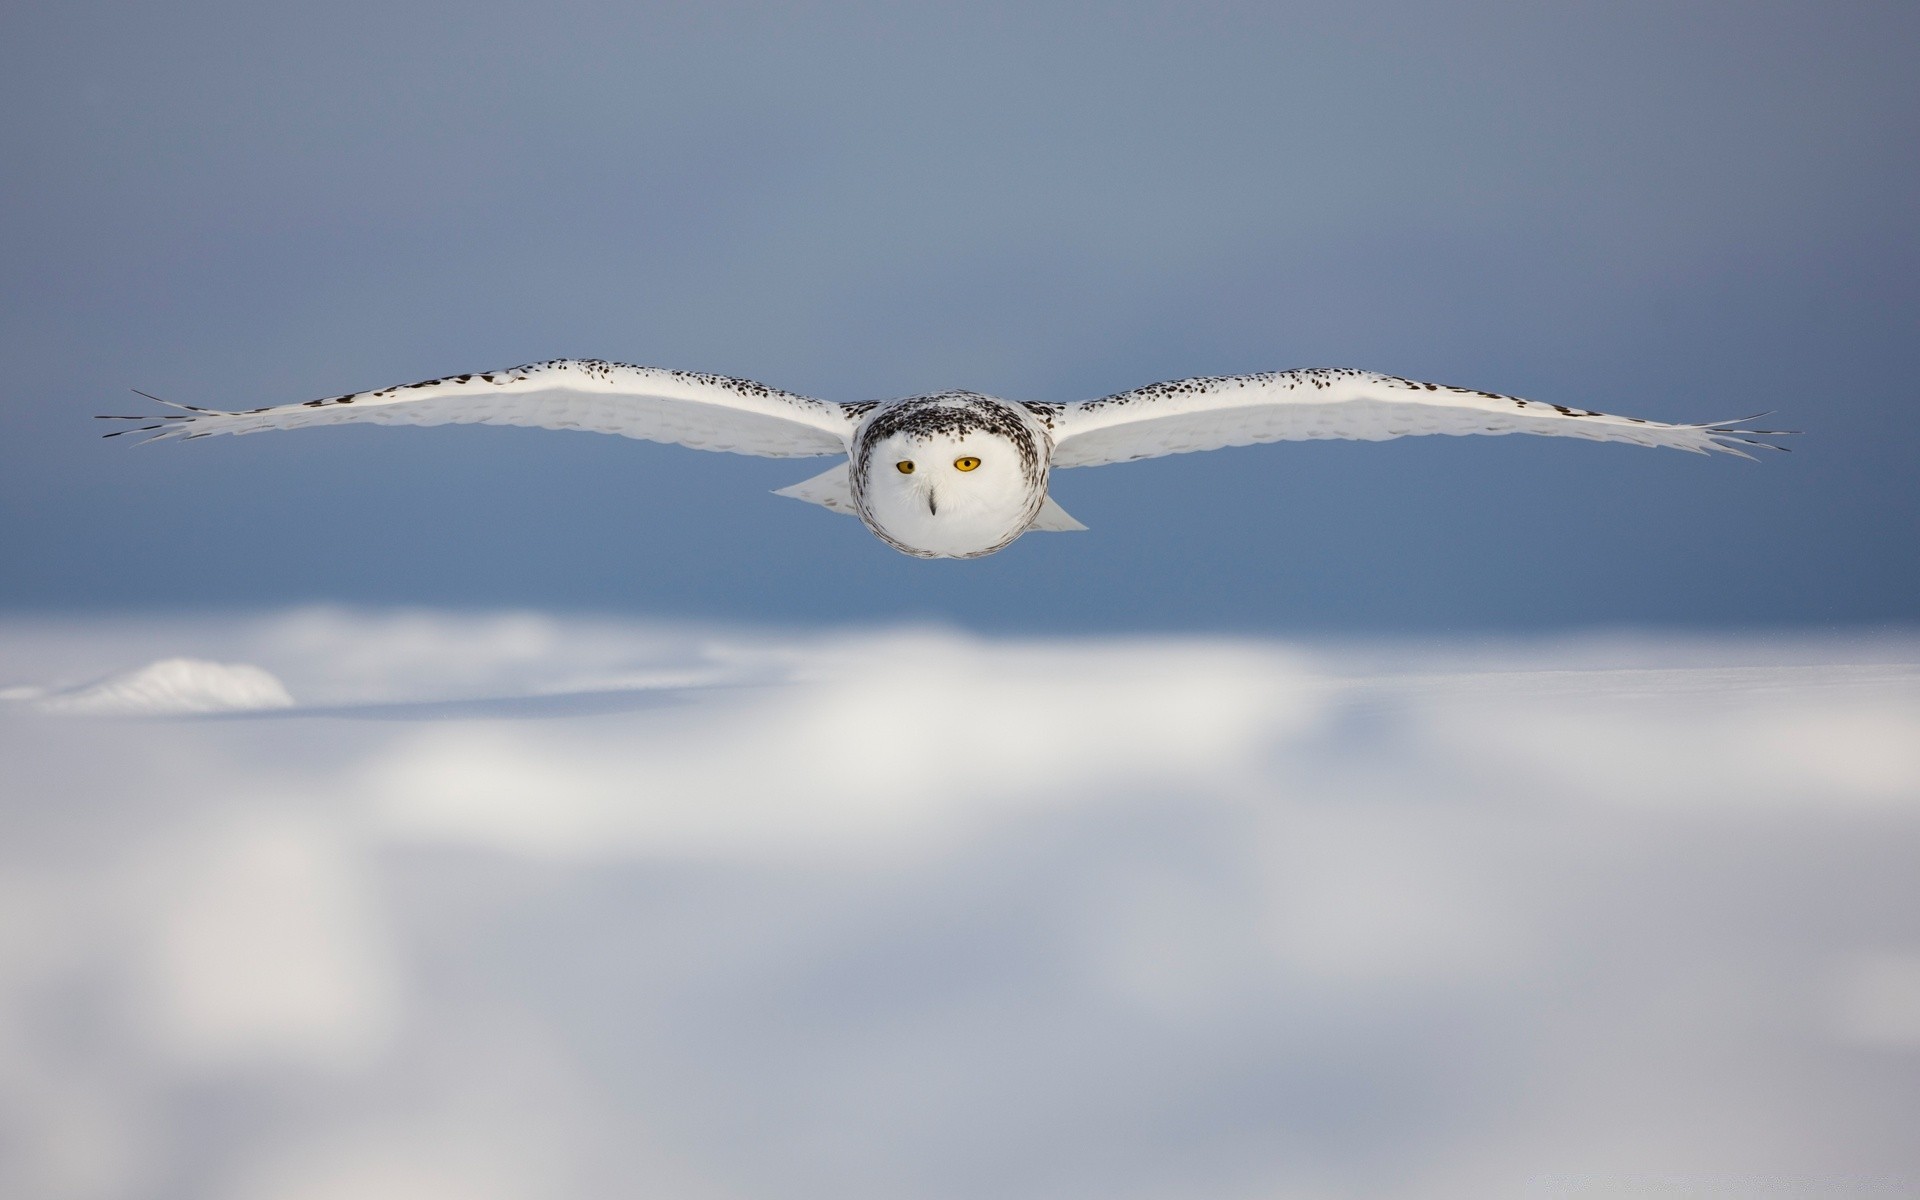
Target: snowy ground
370	906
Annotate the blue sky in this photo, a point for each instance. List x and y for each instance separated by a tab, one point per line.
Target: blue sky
1682	212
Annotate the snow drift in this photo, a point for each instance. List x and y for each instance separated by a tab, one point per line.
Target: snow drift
170	687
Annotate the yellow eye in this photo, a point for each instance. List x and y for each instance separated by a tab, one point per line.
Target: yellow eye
966	464
904	466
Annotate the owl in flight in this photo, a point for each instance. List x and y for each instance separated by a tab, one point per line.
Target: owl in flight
951	474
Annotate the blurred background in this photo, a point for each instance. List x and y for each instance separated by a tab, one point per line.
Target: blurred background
479	813
1685	212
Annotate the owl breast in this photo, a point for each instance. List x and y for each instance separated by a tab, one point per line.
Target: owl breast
953	475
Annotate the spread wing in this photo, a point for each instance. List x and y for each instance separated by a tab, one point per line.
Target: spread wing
707	412
1287	406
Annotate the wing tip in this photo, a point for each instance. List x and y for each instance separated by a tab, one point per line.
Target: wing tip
1733	437
160	429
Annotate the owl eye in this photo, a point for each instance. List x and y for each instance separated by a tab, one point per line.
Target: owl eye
966	464
904	466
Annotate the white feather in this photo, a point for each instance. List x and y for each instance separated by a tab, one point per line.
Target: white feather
706	412
830	489
1054	519
1240	410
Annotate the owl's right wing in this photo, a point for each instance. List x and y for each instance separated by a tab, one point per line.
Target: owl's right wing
1241	410
706	412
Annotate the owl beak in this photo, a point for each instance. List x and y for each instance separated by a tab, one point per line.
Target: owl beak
933	505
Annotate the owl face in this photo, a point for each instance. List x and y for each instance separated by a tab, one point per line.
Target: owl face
946	486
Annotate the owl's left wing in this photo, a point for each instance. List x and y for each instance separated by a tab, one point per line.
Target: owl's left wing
1241	410
706	412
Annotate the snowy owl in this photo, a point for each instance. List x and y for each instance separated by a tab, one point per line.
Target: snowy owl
950	474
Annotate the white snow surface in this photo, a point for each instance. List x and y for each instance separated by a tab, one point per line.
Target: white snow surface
518	906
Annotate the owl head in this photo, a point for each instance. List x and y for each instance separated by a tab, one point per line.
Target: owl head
951	476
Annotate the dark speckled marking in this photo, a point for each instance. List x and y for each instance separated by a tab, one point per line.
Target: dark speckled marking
1048	413
953	414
